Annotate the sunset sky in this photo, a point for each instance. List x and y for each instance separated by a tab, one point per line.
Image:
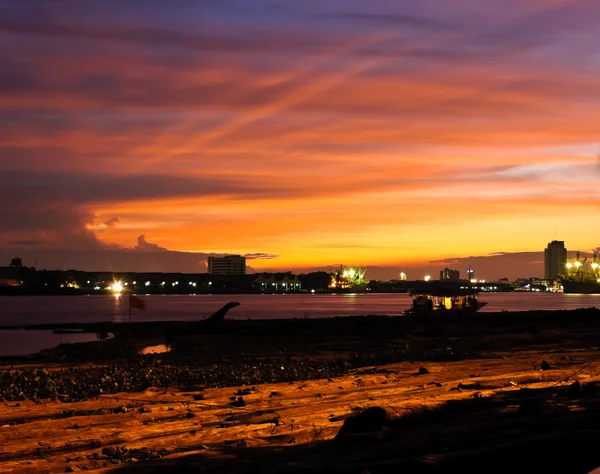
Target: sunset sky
305	133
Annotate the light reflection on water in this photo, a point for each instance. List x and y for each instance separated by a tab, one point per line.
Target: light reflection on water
22	342
157	349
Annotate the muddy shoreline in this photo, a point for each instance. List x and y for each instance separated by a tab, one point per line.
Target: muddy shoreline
271	396
314	337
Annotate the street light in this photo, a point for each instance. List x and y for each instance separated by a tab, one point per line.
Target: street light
427	278
116	287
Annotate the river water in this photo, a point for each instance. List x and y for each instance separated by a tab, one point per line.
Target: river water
17	311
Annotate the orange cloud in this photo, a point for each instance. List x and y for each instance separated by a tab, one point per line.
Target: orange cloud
342	136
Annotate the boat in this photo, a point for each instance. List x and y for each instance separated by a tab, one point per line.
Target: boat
438	299
581	276
580	287
67	331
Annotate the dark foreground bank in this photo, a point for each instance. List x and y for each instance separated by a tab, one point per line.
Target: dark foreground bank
228	353
508	391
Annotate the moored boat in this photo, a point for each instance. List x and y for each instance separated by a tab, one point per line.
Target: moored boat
445	300
581	277
581	287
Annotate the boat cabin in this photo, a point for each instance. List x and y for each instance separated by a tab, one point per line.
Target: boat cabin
456	300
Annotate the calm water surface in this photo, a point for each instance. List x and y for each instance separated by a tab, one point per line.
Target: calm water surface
15	310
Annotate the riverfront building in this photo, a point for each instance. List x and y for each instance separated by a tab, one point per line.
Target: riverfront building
227	265
555	259
448	274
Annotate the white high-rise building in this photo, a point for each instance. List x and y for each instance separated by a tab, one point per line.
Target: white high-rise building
555	259
227	265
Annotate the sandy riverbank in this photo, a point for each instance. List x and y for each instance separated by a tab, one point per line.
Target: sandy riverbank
485	399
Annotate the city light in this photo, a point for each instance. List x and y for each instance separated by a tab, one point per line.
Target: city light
569	265
116	288
427	278
348	277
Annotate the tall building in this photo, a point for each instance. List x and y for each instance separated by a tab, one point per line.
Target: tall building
227	265
447	274
555	259
470	274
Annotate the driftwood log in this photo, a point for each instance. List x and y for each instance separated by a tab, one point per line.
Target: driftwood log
219	315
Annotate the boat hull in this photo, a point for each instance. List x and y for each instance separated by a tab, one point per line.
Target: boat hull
443	311
581	287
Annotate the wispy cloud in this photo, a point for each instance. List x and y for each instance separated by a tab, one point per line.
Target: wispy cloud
378	133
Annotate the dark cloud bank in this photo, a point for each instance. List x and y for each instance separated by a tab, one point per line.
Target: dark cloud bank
144	257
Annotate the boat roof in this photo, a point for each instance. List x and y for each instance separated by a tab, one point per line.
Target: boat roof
437	289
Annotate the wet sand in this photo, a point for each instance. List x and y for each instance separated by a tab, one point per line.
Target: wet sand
484	403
